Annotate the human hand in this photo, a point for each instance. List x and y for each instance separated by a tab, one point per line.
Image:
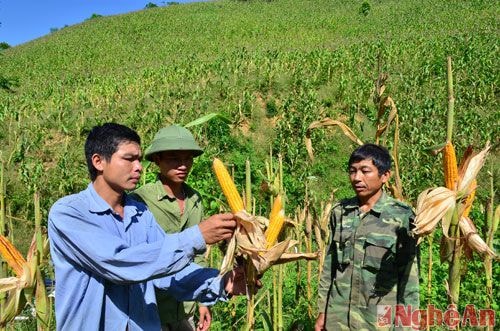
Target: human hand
217	228
320	322
205	318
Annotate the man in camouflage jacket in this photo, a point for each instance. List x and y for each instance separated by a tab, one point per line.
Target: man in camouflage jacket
371	263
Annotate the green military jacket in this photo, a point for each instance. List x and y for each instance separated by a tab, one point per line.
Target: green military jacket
372	261
167	213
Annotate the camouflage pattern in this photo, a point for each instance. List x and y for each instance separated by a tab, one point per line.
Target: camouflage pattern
167	213
372	260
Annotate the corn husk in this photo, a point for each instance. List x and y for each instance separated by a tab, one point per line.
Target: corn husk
473	165
433	205
474	241
249	240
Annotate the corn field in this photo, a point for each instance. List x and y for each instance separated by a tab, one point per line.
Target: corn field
265	85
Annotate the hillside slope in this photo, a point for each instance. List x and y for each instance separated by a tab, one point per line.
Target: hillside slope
270	67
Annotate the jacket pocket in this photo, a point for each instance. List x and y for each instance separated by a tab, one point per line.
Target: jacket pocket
344	246
380	252
380	272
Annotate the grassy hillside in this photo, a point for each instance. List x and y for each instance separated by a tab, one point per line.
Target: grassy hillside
270	68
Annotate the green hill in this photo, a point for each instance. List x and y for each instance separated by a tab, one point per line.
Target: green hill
270	68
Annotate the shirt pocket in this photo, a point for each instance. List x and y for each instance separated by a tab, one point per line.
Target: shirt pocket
380	251
379	262
343	243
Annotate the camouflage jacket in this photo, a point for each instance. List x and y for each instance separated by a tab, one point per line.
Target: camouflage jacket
372	260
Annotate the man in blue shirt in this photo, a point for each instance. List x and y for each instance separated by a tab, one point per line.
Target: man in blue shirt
109	253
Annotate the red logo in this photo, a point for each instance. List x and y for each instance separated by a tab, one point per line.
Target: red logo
419	319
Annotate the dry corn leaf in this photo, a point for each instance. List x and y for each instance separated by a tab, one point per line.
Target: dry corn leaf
384	103
325	123
227	261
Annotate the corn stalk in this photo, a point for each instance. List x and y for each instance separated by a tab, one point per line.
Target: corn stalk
43	305
275	181
454	267
492	220
451	205
280	266
249	267
429	277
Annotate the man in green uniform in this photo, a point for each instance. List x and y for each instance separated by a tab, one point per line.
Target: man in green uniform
371	264
176	206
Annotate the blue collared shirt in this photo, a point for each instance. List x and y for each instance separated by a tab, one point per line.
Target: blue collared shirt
106	267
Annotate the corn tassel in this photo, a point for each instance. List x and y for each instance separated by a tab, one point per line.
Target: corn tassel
276	221
12	256
450	167
228	187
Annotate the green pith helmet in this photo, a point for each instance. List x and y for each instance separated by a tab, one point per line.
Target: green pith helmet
173	138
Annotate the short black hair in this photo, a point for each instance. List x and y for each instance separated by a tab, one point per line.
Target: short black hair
378	154
104	140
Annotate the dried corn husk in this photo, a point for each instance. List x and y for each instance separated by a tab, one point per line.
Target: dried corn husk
432	206
249	240
473	239
472	167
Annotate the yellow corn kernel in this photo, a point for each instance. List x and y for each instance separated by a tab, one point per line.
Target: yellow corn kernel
228	187
450	166
469	200
12	256
276	221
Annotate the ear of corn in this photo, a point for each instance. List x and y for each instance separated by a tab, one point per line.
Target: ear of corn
469	200
276	221
12	256
228	187
474	240
450	167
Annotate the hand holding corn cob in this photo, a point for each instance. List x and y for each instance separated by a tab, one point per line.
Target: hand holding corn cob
249	239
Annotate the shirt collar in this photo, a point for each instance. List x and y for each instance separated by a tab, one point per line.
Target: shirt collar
96	202
352	203
161	194
379	205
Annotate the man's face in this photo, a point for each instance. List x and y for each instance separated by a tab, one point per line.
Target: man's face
175	165
123	170
365	178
